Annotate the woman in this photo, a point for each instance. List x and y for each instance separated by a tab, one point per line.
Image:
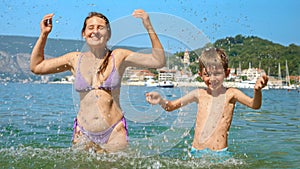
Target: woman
100	124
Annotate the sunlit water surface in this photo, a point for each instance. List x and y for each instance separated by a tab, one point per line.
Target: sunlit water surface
36	123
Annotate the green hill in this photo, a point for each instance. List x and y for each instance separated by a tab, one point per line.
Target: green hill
261	52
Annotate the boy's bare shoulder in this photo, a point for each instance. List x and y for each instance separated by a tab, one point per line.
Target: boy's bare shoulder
196	91
199	91
232	89
233	92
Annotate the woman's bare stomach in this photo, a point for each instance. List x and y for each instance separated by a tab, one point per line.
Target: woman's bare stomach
98	111
97	119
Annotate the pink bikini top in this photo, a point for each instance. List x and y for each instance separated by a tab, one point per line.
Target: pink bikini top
112	82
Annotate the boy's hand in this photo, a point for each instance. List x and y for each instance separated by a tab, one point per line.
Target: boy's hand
153	98
261	82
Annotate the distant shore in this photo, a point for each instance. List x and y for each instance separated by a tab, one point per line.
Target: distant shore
141	83
177	84
182	84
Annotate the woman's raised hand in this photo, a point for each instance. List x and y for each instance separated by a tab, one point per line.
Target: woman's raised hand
139	13
46	24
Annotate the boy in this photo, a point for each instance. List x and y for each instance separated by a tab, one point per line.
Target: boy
215	104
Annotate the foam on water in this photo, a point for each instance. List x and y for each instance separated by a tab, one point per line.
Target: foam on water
69	158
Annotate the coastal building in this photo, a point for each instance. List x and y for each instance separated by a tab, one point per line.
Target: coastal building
252	73
232	75
166	75
186	57
137	75
185	74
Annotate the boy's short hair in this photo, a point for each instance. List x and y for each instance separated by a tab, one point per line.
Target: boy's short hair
213	56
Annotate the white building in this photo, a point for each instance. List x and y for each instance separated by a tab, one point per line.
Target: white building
252	73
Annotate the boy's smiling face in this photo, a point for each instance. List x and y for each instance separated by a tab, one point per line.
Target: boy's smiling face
213	76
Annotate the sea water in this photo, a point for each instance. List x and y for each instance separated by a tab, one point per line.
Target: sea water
36	130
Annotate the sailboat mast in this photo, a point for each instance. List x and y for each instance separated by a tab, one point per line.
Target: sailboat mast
287	76
279	72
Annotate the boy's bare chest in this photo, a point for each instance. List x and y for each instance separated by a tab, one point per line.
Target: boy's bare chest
212	107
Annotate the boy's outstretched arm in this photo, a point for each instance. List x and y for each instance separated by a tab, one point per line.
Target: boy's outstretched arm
255	102
155	98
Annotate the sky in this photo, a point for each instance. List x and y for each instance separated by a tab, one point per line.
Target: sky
274	20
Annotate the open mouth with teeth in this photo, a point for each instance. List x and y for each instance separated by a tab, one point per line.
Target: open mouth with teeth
95	37
214	85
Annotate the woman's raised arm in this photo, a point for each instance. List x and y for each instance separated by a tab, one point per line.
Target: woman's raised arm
157	58
38	63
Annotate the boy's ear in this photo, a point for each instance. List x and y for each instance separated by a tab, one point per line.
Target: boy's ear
200	74
227	72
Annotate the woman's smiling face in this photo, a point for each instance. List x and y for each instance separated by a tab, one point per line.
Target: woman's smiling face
96	31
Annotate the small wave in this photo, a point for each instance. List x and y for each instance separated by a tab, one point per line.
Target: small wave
24	157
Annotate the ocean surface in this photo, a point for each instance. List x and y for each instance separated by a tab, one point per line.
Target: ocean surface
36	123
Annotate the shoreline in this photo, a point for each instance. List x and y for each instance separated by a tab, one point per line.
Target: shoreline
179	84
